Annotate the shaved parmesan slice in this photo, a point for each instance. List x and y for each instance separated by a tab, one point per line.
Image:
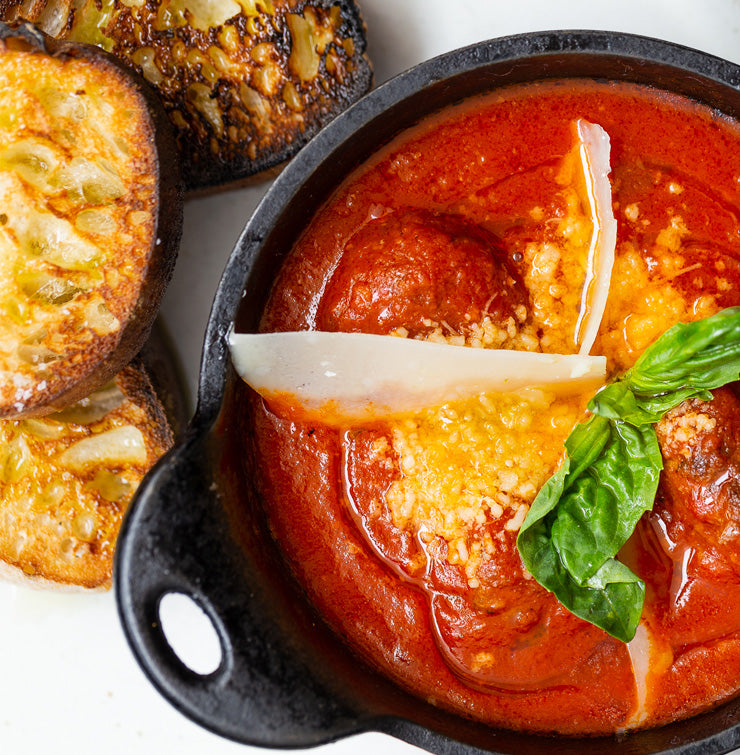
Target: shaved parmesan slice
651	657
594	152
355	376
639	649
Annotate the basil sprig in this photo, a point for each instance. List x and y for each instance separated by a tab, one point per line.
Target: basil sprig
588	509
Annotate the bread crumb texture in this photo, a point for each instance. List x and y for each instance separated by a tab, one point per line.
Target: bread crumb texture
67	478
77	219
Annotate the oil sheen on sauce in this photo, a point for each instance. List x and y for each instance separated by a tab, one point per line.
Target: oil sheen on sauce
470	228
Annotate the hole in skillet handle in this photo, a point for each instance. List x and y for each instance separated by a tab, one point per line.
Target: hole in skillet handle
178	537
149	568
190	633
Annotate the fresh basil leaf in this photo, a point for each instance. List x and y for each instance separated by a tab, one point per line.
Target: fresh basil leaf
617	401
612	599
547	499
616	601
590	506
702	355
652	409
687	361
583	446
586	443
601	506
585	513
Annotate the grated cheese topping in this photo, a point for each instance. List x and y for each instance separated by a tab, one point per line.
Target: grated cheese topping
467	466
470	465
568	273
678	431
645	299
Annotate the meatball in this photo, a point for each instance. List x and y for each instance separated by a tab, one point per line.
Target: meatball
700	441
692	567
419	270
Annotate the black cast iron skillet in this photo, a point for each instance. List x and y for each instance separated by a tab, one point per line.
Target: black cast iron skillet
196	526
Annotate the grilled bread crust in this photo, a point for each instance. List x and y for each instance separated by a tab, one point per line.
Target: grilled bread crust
66	480
245	82
90	219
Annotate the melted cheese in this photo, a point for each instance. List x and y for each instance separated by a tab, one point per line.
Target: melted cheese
476	463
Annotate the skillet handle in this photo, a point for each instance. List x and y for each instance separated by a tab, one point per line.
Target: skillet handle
178	538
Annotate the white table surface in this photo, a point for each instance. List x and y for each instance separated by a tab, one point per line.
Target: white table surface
68	683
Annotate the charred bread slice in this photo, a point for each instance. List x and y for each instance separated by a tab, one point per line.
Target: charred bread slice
67	478
246	82
90	218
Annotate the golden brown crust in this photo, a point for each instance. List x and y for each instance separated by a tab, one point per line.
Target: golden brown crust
90	223
67	479
245	82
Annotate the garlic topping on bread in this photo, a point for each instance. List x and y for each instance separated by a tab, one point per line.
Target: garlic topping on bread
90	218
67	478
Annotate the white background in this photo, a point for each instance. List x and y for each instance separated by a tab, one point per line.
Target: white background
68	683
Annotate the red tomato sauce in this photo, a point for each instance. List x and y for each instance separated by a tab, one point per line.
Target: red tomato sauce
438	230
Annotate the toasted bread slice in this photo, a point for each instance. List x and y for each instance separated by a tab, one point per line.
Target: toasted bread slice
67	478
246	82
90	218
